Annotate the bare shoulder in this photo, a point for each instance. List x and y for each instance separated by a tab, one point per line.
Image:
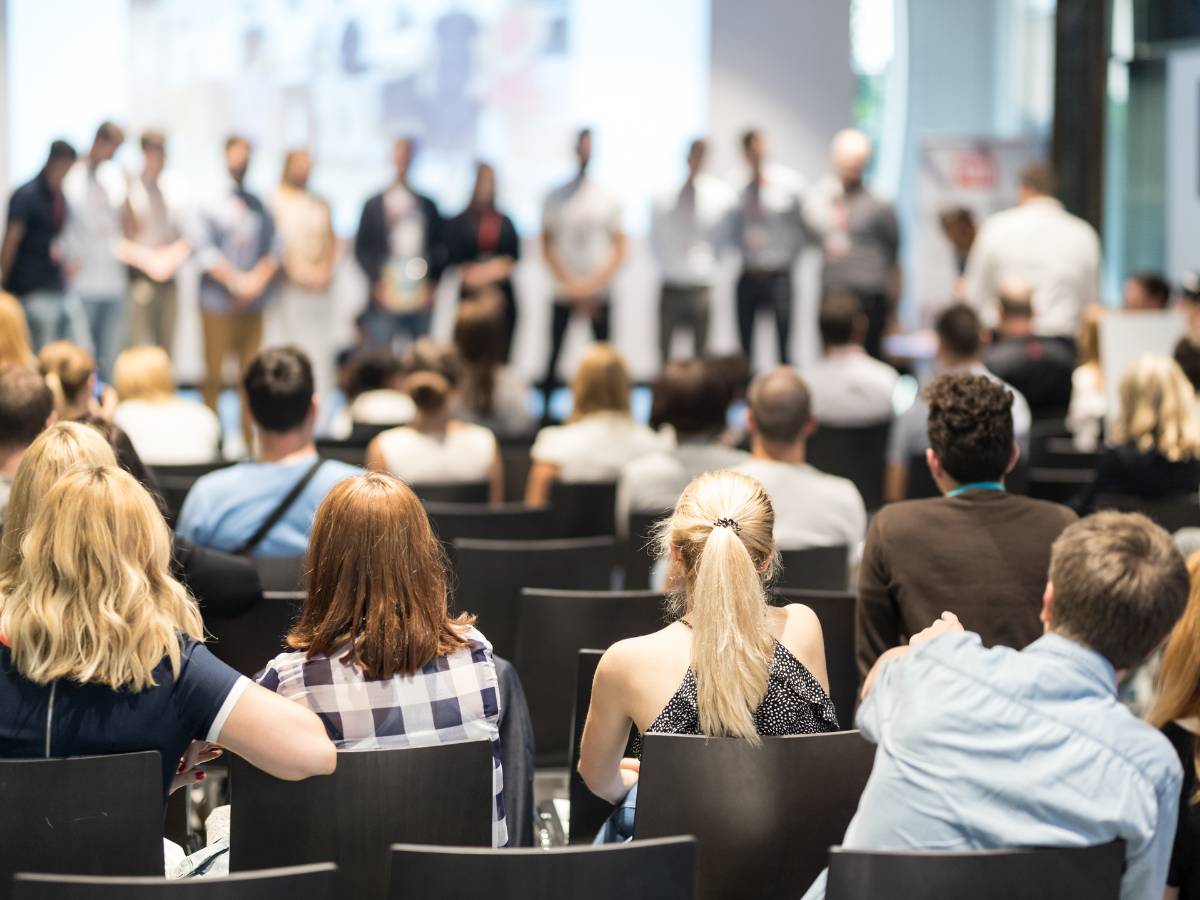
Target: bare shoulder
636	654
801	629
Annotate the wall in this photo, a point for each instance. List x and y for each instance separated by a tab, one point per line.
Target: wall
1183	152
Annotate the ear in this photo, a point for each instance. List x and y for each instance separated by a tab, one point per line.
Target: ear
1013	458
985	337
1047	606
935	464
810	428
751	425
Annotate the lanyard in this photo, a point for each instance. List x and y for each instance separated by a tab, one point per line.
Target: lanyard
976	486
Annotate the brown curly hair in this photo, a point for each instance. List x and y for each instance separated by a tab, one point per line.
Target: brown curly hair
970	426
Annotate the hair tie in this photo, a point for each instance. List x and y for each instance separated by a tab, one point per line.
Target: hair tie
728	523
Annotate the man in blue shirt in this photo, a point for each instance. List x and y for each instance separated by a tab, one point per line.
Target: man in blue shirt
991	748
228	508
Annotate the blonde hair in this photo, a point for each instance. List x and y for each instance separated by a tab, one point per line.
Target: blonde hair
66	368
144	373
722	530
15	346
602	383
93	600
59	448
1157	409
1178	687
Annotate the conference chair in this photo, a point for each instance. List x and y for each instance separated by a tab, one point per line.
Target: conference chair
815	568
362	433
1060	453
440	795
314	882
174	482
349	451
83	815
492	573
1058	485
510	522
583	508
649	870
859	454
552	627
452	491
515	458
250	639
764	816
641	550
920	484
1058	873
281	573
835	612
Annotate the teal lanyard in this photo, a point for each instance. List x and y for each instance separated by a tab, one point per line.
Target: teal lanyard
976	486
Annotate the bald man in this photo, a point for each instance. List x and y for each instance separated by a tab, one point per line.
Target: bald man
860	238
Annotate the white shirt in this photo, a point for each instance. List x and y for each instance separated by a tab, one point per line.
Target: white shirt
1044	246
686	227
1089	406
770	220
158	210
596	447
812	509
849	388
465	453
174	432
93	228
653	483
582	219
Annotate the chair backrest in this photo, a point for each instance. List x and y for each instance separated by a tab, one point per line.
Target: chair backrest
640	549
314	882
835	611
84	815
1057	873
515	458
353	452
647	870
816	568
552	626
492	573
1172	513
452	491
765	816
510	522
249	640
174	482
920	484
1060	453
859	454
583	508
282	573
439	795
1059	485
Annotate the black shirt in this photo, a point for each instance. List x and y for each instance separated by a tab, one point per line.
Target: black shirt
1126	471
1183	872
42	214
470	237
1040	368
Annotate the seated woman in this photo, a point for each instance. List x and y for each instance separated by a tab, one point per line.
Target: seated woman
15	347
166	429
492	393
601	436
375	644
730	665
373	383
437	447
1155	449
102	652
70	373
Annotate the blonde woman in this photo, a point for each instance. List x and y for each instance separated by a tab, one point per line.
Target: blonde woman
102	648
1154	447
1089	403
601	436
70	373
15	348
731	664
165	428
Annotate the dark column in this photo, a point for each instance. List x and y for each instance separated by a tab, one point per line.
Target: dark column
1080	96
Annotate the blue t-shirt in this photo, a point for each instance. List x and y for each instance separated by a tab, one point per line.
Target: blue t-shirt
93	719
224	508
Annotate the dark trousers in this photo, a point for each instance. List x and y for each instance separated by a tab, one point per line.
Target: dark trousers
765	290
878	309
558	330
686	307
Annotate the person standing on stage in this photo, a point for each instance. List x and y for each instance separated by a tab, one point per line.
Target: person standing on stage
584	245
304	314
401	248
685	227
484	243
769	228
860	238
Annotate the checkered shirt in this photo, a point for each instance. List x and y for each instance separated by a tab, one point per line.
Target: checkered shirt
451	698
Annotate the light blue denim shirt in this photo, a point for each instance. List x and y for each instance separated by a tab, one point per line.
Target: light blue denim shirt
983	749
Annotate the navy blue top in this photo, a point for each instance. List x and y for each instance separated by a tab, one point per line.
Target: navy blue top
33	205
93	719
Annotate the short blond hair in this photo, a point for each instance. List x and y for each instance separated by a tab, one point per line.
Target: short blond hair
15	347
144	373
1157	410
602	383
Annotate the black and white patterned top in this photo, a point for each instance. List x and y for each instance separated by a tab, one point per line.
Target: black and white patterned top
795	703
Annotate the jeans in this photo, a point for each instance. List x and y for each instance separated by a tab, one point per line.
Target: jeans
765	290
56	316
384	328
618	827
106	321
558	330
683	307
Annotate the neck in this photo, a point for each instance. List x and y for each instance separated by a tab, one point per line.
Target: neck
1017	330
431	423
793	453
285	446
851	186
9	460
959	362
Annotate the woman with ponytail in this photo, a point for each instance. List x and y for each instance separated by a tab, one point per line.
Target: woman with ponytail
70	373
731	665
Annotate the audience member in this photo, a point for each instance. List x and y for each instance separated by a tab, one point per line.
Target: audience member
860	237
1042	245
690	400
30	259
849	388
436	447
978	549
1154	447
15	346
264	507
731	665
376	654
982	749
733	369
70	373
601	436
493	395
1039	370
1146	291
166	429
958	225
373	385
583	245
1089	400
26	408
960	349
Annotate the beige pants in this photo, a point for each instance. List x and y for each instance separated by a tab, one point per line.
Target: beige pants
239	336
152	313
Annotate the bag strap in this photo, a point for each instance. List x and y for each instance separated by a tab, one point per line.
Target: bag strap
247	547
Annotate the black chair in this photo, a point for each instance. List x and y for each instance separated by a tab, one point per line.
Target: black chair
816	568
438	795
640	549
1059	873
362	433
85	815
835	611
1060	453
314	882
353	452
552	627
765	816
174	482
859	454
583	508
1059	485
515	458
281	573
248	640
648	870
920	484
452	491
492	573
1172	513
510	522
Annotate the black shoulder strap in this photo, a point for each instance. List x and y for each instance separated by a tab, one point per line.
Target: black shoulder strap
278	512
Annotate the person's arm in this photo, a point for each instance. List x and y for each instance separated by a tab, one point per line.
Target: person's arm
606	731
13	235
537	488
566	281
496	479
278	735
600	280
1146	866
876	616
945	624
804	638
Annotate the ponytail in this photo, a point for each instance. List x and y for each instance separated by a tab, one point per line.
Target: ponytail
429	391
54	383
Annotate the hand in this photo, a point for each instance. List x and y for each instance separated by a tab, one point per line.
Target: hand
197	754
947	623
245	289
629	771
